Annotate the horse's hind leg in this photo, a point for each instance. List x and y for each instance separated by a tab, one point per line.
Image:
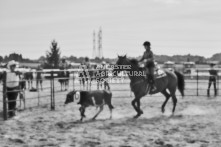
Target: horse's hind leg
133	103
138	107
167	95
174	102
110	108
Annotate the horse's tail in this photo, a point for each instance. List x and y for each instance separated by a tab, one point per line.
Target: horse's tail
181	82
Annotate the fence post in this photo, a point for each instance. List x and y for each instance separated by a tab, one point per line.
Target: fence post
217	89
197	83
73	80
52	90
5	110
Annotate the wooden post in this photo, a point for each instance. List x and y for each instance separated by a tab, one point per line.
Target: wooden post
73	80
217	88
197	83
5	110
52	90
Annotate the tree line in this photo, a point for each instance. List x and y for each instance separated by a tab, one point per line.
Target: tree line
53	57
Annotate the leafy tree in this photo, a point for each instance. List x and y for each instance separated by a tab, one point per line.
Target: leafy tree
53	56
1	58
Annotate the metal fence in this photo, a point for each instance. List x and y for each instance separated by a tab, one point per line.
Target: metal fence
52	95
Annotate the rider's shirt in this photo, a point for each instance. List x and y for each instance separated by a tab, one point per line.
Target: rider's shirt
148	55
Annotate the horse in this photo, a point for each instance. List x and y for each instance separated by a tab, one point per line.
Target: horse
140	86
64	79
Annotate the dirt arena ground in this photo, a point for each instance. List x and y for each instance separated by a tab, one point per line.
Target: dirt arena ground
196	123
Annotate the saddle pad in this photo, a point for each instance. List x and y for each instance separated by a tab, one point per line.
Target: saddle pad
159	74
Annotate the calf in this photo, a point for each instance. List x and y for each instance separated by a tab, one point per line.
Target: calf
96	98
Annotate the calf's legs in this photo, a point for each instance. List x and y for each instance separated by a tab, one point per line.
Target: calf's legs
82	110
101	109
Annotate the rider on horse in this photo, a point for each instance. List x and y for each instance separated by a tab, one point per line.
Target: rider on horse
148	58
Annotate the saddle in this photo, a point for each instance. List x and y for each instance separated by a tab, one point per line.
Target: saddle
159	73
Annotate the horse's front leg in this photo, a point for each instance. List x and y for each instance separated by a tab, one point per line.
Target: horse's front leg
133	103
139	111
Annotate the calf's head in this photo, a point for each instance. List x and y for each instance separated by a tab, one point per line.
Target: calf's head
71	96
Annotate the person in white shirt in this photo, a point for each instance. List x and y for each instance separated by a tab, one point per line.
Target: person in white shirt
12	86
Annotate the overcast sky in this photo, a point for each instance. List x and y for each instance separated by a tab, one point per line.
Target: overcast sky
172	26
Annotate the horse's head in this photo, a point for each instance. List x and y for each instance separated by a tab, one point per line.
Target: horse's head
122	60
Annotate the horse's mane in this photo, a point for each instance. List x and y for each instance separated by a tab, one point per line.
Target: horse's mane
134	62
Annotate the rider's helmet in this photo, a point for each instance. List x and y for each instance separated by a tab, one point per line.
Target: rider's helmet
146	43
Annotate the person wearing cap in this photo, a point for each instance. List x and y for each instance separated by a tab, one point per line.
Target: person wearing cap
148	58
212	79
12	87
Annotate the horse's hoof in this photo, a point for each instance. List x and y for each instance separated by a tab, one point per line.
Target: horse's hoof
141	112
138	115
163	110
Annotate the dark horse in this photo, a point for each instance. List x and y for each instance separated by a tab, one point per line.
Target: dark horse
139	84
64	79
